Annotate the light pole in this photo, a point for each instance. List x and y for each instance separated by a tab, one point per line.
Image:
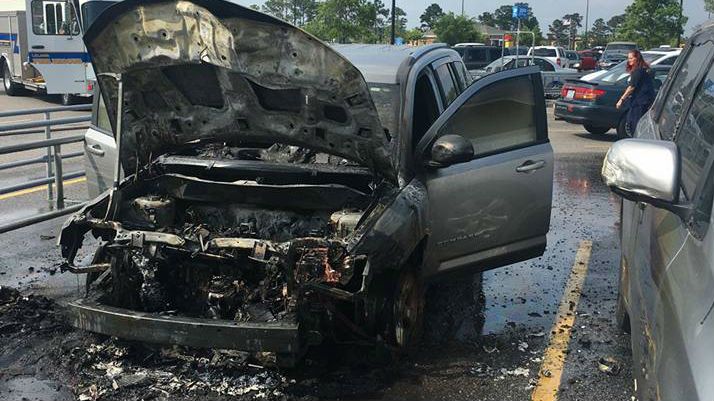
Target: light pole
394	21
462	8
680	28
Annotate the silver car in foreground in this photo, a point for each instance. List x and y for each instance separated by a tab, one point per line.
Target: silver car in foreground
666	177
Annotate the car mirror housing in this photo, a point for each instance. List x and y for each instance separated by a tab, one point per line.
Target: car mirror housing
645	171
451	149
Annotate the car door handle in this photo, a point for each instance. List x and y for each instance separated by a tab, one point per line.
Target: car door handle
95	150
530	166
38	47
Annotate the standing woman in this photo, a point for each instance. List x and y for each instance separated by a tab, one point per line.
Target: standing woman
640	90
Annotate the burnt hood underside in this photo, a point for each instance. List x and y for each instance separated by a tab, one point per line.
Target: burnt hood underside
216	71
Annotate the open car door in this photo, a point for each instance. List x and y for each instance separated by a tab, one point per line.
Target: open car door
494	207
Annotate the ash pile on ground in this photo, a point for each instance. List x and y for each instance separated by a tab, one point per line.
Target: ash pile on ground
40	349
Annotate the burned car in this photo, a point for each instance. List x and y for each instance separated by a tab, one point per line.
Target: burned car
271	191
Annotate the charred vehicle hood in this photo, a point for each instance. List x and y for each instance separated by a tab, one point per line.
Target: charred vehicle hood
213	71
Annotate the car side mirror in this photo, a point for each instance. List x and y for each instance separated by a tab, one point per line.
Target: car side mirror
645	171
449	150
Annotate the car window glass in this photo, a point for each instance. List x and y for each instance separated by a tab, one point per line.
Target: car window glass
462	76
102	116
696	137
545	52
499	116
426	108
544	65
659	77
681	89
701	217
449	90
386	98
495	54
53	18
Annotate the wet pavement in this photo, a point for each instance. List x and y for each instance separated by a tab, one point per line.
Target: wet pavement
486	338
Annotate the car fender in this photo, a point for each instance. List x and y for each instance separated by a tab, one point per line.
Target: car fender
396	228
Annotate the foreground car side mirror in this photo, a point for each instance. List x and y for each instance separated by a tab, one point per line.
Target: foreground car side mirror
645	171
449	150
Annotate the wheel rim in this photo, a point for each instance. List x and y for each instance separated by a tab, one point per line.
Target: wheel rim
408	307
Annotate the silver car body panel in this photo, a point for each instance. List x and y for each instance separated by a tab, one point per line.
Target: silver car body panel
667	279
485	213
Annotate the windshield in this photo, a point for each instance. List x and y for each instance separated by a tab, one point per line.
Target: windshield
544	52
386	100
620	47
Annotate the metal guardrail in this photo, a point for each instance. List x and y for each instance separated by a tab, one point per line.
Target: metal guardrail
52	159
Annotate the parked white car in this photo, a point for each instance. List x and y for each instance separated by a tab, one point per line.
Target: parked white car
652	57
553	75
555	54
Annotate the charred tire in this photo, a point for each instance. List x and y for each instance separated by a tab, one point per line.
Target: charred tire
622	129
622	318
407	310
11	88
595	130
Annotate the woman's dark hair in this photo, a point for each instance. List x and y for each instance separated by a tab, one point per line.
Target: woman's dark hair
639	61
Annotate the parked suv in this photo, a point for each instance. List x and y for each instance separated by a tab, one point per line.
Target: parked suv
554	53
666	177
477	56
276	194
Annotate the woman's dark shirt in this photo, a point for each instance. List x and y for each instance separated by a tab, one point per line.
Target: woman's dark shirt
641	79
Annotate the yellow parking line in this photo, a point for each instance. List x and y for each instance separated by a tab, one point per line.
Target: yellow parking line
554	357
40	188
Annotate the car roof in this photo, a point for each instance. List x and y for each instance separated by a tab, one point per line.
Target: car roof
380	63
622	43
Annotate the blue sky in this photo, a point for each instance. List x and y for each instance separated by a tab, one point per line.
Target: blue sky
545	10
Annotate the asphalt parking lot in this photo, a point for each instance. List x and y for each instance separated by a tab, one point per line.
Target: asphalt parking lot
537	330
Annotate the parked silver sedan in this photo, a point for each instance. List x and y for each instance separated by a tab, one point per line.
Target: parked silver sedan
666	177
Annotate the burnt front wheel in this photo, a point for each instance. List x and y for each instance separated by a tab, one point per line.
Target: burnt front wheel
407	309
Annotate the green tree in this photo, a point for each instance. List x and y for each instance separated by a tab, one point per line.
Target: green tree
503	18
600	33
340	21
430	16
453	29
573	22
558	32
298	12
615	23
709	6
487	19
652	22
413	35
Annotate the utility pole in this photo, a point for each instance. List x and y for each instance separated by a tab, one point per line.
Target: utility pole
587	14
462	8
394	21
680	28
